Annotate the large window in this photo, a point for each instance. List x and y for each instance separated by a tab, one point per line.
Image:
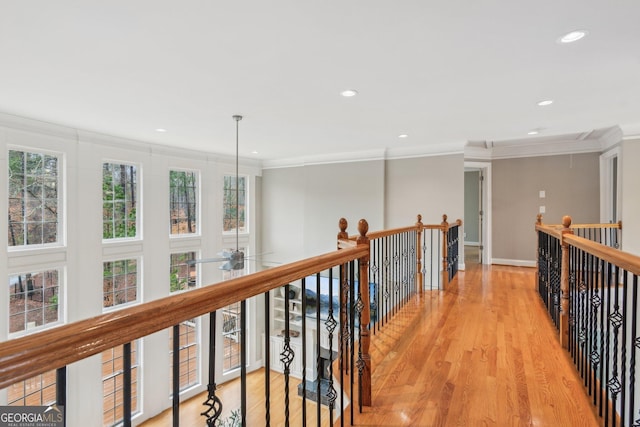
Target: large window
183	209
34	300
119	201
188	350
229	204
33	198
182	276
119	282
112	384
231	331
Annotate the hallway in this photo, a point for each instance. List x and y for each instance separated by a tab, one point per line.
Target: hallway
484	354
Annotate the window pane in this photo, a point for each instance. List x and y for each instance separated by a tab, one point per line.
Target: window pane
36	391
119	282
182	276
33	198
34	300
182	202
188	347
229	204
119	196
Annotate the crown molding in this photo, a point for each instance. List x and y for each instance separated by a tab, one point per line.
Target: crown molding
349	157
426	151
79	136
19	123
597	140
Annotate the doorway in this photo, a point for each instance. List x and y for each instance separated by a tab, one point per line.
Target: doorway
477	196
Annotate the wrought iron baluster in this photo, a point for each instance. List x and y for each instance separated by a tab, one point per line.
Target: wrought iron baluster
243	362
267	361
176	375
126	385
61	391
341	339
635	341
318	352
352	312
213	402
331	324
304	348
287	355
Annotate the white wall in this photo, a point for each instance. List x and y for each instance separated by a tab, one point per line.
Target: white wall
630	198
302	206
84	252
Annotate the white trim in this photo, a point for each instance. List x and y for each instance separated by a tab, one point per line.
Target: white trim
471	243
460	266
513	262
487	200
606	209
364	156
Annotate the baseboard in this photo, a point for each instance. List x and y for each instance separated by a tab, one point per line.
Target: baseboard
461	266
471	243
513	262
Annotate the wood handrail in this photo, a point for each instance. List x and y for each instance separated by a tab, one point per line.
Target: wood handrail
551	230
24	357
613	256
386	233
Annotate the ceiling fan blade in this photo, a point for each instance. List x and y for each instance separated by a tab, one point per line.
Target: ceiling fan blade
203	260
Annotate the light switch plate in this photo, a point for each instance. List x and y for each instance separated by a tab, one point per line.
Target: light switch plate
542	209
542	194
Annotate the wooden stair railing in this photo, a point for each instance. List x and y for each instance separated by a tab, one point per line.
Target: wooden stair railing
591	292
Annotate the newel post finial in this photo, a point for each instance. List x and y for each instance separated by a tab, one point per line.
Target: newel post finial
539	219
363	228
566	221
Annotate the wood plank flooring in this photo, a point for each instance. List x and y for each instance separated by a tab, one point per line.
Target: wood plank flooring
482	353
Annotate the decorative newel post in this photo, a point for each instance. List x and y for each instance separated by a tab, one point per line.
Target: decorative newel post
564	284
419	276
445	267
539	219
365	360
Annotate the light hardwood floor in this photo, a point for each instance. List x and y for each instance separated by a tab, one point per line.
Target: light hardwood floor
482	353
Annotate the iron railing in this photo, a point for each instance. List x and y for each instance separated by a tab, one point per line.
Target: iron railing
596	289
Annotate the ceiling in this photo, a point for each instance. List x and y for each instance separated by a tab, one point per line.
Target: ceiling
444	73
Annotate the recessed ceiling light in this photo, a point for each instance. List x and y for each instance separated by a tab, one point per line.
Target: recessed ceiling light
404	135
573	36
545	102
349	93
161	130
254	152
533	132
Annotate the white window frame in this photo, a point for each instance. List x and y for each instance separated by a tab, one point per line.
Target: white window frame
198	192
61	191
139	202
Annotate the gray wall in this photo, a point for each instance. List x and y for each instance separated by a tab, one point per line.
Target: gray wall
430	186
302	205
471	206
572	187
